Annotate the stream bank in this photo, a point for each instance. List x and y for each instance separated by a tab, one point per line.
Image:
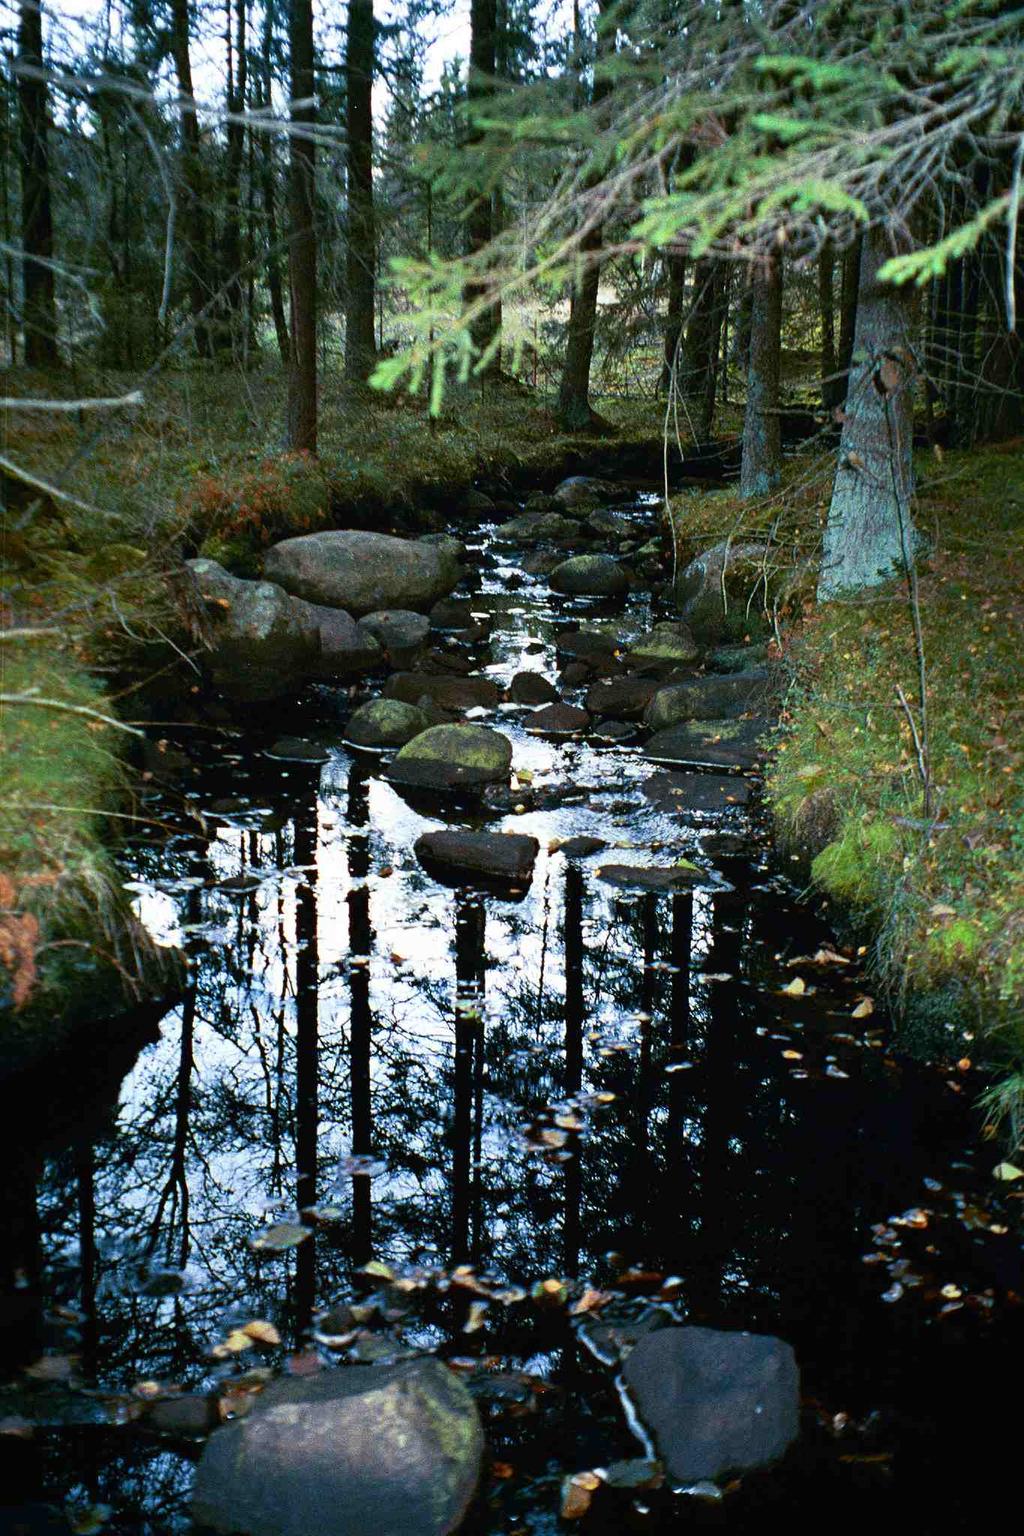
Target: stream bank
549	1119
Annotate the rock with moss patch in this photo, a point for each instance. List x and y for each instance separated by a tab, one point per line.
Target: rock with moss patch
720	594
389	1449
730	744
453	757
646	877
444	690
400	633
583	492
537	528
385	723
708	698
590	576
361	571
665	647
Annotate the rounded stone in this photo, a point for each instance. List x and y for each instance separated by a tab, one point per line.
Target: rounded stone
384	723
449	757
590	576
395	1450
362	572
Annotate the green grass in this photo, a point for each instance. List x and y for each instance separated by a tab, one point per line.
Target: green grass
944	894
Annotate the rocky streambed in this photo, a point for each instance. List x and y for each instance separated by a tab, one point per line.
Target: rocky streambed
525	1150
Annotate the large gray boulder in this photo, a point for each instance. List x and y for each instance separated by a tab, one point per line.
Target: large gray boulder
662	649
453	757
708	698
384	723
393	1450
715	1402
346	649
362	572
537	528
581	493
399	632
721	594
590	576
263	644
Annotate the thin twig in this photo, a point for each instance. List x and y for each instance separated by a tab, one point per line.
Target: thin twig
66	708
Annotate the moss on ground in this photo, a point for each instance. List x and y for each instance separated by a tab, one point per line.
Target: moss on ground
69	946
944	891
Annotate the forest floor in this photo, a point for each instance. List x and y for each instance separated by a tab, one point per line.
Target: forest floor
940	888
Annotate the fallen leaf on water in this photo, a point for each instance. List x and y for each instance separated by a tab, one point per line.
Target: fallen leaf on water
502	1469
1007	1172
590	1301
234	1344
793	1055
951	1292
864	1008
52	1368
796	988
476	1318
279	1237
550	1292
261	1332
577	1492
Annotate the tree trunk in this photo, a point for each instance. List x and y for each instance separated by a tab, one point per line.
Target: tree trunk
361	250
573	410
192	214
39	313
699	363
761	466
302	406
676	265
269	188
479	224
868	536
848	315
832	386
234	296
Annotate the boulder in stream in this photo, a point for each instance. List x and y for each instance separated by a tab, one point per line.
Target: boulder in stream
444	690
623	697
590	576
730	744
653	877
681	793
717	592
502	858
384	723
532	688
453	757
665	647
708	698
393	1450
558	720
715	1402
537	528
399	632
362	572
346	649
263	644
584	492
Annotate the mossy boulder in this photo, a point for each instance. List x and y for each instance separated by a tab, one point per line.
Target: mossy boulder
731	744
665	647
384	723
720	594
453	757
707	698
590	576
393	1449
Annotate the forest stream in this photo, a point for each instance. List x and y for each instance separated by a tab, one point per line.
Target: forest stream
548	1118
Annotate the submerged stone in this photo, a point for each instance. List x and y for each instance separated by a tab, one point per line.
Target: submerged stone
715	1402
558	720
645	877
390	1449
732	744
682	792
295	749
444	690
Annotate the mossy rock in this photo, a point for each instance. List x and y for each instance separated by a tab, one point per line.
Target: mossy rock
451	757
384	723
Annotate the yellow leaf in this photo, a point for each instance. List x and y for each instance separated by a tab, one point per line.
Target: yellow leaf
262	1333
1007	1172
864	1008
796	988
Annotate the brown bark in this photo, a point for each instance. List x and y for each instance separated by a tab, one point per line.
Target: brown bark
39	313
832	386
234	296
480	221
302	380
268	177
676	265
698	368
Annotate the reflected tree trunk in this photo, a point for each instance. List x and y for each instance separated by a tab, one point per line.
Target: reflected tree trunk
360	936
307	1056
575	1018
470	972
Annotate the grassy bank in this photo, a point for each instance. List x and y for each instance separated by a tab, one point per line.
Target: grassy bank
940	888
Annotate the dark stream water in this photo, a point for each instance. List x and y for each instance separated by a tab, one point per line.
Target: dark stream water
583	1084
